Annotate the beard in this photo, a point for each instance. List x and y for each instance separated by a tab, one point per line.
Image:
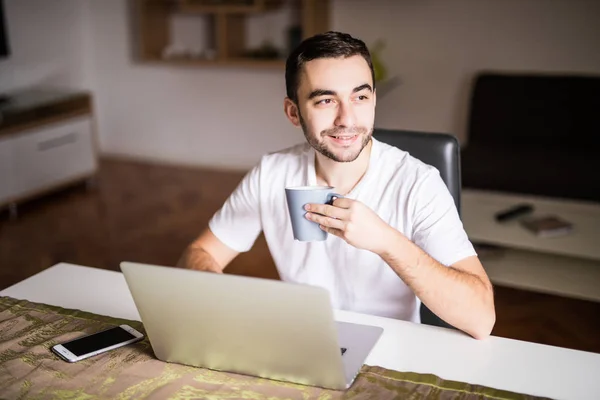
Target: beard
347	155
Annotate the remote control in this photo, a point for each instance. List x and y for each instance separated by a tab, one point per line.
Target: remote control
513	212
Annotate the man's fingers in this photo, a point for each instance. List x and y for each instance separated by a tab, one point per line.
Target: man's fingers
332	231
327	210
325	221
341	202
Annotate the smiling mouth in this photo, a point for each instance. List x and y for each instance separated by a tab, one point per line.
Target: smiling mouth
343	140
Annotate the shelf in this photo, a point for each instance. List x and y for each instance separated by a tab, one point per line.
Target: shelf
229	7
226	31
234	62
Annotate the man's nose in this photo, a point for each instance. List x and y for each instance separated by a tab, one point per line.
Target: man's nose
345	116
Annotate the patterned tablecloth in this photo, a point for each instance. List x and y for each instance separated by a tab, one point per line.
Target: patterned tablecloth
29	370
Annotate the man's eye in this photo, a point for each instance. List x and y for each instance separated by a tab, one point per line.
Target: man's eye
325	101
363	97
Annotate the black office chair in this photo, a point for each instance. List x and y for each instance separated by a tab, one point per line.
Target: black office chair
441	151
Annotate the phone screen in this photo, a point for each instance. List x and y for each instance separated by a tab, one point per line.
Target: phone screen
98	341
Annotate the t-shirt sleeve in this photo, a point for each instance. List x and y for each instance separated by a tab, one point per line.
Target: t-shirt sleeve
237	224
437	228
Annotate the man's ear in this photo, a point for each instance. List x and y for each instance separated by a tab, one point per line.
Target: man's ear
291	111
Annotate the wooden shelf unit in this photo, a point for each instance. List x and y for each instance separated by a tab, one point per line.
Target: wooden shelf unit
226	28
231	6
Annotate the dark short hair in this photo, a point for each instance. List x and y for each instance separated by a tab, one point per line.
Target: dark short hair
325	45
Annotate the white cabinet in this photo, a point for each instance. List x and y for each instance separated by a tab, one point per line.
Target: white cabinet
42	158
46	141
567	265
51	155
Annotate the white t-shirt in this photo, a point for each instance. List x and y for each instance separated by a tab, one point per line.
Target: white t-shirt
406	193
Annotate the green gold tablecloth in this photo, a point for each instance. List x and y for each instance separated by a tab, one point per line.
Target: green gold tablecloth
29	370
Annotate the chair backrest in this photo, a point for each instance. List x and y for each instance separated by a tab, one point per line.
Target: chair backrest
441	151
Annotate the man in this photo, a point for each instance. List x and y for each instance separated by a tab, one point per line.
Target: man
395	238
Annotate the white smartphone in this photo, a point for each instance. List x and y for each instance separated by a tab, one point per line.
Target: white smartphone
97	343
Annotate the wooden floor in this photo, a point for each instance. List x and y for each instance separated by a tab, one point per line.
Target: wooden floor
149	213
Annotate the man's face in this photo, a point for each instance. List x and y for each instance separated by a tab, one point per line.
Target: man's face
337	106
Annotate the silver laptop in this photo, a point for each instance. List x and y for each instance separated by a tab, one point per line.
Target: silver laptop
252	326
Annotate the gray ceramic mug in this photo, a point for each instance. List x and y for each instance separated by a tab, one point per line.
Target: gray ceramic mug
299	196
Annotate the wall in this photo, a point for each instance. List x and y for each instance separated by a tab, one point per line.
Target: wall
47	41
228	118
438	46
224	118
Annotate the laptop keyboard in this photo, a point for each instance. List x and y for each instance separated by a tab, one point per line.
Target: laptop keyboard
343	349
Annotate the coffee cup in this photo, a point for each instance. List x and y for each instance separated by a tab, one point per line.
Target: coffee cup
298	197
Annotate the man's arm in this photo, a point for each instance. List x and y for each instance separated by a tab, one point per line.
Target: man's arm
207	253
237	222
461	294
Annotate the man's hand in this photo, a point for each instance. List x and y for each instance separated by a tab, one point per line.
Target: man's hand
353	221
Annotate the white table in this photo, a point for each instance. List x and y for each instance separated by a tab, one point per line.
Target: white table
567	265
496	362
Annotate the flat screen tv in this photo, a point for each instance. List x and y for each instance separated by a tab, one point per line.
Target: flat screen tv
4	45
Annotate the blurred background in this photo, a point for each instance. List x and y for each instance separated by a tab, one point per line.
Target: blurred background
124	125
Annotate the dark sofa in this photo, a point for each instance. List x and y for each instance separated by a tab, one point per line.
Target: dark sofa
534	134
